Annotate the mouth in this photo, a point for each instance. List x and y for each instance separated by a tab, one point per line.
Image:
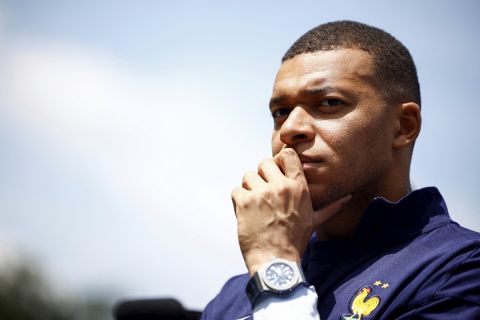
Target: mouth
309	162
304	159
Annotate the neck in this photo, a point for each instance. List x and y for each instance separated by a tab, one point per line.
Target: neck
346	221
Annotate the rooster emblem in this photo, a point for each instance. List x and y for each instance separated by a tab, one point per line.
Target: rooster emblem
361	306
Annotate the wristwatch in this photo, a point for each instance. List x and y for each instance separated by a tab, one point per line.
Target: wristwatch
277	277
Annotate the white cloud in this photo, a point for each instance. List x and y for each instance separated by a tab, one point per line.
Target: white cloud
165	151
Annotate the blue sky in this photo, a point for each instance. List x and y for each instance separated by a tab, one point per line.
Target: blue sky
125	125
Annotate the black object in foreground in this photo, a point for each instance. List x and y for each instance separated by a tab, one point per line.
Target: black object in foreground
153	309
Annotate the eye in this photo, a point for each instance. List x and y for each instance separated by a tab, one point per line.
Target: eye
331	102
327	106
281	112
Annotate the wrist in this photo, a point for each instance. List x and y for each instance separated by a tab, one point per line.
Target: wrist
255	262
277	277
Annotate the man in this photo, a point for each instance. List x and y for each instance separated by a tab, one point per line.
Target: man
329	227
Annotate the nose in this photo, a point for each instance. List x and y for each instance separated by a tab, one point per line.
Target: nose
297	128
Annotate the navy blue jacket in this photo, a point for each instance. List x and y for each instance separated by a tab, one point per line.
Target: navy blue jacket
407	260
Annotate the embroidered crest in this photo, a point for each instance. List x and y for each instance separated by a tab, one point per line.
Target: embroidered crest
362	305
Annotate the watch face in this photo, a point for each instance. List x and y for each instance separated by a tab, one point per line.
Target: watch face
280	276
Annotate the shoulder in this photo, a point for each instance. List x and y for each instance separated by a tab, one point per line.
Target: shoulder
231	302
462	276
453	287
454	265
457	243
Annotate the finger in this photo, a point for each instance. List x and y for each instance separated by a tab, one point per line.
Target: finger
270	171
328	212
288	161
251	180
237	195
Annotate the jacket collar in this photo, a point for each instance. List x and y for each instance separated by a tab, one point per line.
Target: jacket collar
385	223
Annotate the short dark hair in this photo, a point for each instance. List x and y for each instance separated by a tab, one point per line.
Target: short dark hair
394	68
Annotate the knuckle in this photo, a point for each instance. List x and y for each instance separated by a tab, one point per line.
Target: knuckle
235	196
246	176
289	152
266	193
304	190
283	188
263	163
241	201
297	187
295	184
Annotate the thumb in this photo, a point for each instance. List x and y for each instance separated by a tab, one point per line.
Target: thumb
328	212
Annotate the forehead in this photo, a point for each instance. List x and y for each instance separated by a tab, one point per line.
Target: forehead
342	67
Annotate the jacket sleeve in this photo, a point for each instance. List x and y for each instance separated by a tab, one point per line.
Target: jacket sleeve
231	302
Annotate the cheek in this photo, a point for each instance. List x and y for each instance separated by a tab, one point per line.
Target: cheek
276	143
358	147
371	153
340	137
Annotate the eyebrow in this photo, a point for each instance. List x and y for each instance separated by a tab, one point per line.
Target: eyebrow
312	91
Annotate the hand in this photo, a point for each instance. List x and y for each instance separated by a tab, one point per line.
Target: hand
274	211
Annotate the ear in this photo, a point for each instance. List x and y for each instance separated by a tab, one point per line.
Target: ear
409	122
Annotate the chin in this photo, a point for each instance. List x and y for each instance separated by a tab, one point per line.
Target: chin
322	195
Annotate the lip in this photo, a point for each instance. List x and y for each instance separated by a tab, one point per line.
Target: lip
309	160
310	163
312	166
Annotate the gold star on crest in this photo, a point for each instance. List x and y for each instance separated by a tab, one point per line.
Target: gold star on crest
385	285
377	283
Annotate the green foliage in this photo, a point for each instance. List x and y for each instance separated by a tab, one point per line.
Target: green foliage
25	295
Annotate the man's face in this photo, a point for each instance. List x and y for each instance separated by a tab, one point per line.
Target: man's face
327	107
